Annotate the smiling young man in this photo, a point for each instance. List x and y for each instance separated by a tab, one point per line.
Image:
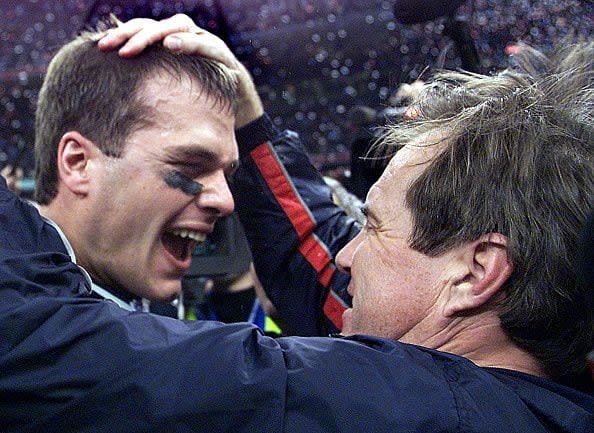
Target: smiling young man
132	162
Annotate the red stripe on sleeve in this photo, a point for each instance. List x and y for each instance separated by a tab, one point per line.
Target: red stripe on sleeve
333	309
282	189
310	246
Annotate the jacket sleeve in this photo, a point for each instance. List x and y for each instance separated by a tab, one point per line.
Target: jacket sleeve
69	363
294	228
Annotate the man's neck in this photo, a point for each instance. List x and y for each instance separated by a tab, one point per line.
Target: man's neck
48	211
69	220
487	345
45	212
481	339
122	297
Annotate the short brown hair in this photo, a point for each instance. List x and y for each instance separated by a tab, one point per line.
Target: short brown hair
518	160
97	94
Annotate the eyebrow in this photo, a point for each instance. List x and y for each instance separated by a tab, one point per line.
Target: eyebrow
364	210
368	212
189	154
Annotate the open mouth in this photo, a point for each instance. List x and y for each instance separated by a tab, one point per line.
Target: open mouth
180	243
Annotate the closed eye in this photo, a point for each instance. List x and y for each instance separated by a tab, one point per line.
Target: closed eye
371	221
365	211
192	171
230	172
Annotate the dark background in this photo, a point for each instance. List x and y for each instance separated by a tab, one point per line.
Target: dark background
312	59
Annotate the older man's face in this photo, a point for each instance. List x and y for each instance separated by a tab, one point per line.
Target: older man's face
397	291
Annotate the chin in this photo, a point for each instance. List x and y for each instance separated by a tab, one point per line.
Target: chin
165	298
167	291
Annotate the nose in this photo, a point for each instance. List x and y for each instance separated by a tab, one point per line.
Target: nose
215	195
344	258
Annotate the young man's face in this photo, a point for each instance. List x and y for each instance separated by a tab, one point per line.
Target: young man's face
147	210
396	290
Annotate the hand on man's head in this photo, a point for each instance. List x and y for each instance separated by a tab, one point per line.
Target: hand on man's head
179	33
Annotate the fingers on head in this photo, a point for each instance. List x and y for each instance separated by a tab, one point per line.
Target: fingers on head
201	43
135	35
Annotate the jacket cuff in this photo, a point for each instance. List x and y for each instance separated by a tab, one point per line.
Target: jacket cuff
255	133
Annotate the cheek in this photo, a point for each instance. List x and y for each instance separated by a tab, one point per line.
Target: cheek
385	279
156	198
374	279
374	263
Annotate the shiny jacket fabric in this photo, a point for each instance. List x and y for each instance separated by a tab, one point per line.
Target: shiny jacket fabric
71	363
295	230
293	227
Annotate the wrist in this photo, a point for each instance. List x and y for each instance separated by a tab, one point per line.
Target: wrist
249	104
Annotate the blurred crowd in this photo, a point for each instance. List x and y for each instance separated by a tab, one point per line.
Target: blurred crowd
313	61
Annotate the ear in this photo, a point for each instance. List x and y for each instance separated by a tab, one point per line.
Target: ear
486	268
74	154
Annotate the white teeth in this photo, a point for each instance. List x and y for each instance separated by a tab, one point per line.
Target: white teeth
197	236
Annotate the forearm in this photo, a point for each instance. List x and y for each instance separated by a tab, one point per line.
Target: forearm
294	228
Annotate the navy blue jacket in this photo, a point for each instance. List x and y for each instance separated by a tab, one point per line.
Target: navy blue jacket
71	363
293	227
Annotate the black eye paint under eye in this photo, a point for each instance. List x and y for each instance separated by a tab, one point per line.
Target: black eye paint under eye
178	180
